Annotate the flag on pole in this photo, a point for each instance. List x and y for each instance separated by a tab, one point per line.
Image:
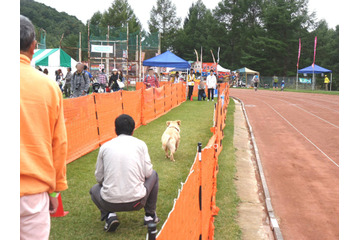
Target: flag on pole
299	53
314	51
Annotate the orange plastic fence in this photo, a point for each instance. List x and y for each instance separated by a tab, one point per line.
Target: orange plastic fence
194	211
90	119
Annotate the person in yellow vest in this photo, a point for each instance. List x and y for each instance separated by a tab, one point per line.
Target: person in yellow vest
326	81
191	81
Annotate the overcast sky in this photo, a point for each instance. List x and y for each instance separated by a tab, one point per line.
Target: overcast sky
84	9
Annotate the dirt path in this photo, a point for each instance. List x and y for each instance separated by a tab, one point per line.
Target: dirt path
252	216
298	140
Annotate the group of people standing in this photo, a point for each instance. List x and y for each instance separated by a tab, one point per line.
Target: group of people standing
76	84
151	80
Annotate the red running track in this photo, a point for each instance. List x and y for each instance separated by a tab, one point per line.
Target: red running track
297	135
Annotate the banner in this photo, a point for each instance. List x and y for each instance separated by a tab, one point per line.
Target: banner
305	80
102	49
314	51
206	67
299	53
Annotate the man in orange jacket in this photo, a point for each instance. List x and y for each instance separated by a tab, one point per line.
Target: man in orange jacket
43	142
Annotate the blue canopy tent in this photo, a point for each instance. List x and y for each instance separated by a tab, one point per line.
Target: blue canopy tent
315	70
167	59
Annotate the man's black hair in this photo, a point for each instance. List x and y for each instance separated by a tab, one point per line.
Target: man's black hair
192	69
211	70
85	67
124	124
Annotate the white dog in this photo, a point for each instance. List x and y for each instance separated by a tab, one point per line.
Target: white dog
171	138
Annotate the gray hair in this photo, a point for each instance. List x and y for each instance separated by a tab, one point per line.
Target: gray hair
27	33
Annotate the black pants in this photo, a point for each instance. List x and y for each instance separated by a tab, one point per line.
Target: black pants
201	95
191	88
148	201
211	91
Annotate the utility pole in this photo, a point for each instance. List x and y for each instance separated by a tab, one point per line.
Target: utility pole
127	52
79	46
137	56
107	54
89	58
140	57
62	36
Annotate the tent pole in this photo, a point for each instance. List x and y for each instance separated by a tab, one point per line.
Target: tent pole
297	78
330	81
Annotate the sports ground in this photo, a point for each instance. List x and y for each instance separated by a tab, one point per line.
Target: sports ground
297	136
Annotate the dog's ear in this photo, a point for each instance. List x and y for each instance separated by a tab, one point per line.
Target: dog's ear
178	122
168	123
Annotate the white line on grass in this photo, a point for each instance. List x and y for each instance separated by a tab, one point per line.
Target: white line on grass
302	134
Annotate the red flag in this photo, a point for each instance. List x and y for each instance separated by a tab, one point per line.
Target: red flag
314	51
299	53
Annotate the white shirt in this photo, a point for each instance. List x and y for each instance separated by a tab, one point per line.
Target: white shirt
211	81
122	166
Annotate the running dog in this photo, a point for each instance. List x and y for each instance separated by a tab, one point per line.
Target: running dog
171	138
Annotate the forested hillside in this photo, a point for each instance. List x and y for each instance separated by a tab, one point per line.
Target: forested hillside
55	24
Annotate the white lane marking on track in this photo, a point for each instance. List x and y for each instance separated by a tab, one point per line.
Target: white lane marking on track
302	135
292	104
296	99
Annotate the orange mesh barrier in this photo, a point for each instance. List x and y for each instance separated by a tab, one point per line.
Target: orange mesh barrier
132	105
194	211
139	85
108	107
174	99
148	108
159	101
168	102
81	126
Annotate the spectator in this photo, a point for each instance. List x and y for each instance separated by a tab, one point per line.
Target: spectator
151	80
80	81
275	82
90	77
122	80
255	80
211	84
125	176
201	92
177	78
46	72
114	80
282	85
191	82
43	142
326	82
67	87
102	78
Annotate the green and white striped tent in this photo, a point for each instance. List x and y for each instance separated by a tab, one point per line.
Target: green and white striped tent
53	59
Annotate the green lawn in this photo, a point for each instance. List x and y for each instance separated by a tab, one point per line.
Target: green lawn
83	220
226	197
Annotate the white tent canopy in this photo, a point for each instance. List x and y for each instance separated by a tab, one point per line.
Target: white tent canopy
247	74
53	60
221	69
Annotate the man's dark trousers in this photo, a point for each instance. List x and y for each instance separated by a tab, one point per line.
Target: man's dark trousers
148	201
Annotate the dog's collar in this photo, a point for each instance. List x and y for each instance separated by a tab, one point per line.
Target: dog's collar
175	128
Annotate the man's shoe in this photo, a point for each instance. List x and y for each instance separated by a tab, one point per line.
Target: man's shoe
111	224
149	219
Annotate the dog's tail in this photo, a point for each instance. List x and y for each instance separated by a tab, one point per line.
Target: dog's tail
165	139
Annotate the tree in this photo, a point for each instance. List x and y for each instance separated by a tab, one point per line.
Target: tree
163	19
197	32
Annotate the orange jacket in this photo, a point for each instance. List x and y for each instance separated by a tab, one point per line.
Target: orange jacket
43	141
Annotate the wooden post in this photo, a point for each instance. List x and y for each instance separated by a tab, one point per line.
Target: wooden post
79	46
89	57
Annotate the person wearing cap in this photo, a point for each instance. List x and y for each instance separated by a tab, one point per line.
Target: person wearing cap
80	81
326	82
191	82
43	143
113	81
151	80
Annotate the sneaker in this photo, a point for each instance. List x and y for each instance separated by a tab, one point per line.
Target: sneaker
111	224
212	100
208	99
149	219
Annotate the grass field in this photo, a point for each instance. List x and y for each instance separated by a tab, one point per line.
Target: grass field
83	221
